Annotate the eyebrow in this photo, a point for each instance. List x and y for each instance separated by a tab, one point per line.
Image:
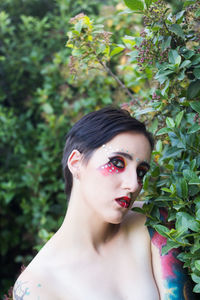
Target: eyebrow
130	157
124	154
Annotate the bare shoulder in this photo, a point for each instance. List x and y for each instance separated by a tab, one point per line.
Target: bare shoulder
32	286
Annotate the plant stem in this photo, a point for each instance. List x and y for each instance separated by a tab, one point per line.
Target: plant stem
108	70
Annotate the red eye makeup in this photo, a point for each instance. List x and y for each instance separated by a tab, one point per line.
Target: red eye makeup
115	165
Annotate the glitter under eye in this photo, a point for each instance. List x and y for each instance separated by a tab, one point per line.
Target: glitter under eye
116	165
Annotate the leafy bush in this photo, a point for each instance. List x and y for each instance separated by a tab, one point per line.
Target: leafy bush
153	70
39	102
164	69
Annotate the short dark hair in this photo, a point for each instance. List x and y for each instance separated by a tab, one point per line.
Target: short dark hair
95	129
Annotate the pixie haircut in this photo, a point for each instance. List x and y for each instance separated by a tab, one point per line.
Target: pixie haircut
96	129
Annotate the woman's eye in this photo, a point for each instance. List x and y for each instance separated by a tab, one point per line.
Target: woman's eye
141	172
118	162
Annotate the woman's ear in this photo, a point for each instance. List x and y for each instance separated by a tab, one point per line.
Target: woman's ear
74	162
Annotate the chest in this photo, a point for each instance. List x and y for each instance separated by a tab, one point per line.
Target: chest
121	274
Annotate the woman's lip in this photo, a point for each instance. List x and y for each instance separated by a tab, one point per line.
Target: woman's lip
123	201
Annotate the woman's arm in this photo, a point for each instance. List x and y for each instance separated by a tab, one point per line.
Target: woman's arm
172	280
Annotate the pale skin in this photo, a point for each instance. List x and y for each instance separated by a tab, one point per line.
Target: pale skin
102	250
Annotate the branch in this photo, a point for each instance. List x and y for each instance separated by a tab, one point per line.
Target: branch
108	70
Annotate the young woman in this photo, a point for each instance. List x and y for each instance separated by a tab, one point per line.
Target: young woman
103	250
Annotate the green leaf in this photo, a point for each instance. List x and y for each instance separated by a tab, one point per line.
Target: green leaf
170	245
166	190
134	4
178	60
163	131
154	126
195	60
166	42
116	51
159	146
193	89
175	28
185	63
198	218
188	2
195	278
101	49
172	151
129	41
181	75
179	118
174	57
196	289
194	128
197	13
164	231
184	188
163	73
196	106
165	87
197	73
148	3
139	210
194	182
47	108
170	122
179	15
187	53
197	264
8	197
190	175
185	221
78	26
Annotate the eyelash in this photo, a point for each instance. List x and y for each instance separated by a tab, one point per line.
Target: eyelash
116	160
140	177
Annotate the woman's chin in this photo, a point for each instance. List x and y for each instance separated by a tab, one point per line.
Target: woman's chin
117	218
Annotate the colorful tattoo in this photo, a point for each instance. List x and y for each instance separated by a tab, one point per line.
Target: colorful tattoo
176	282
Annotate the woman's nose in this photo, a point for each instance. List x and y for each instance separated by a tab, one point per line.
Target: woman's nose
130	182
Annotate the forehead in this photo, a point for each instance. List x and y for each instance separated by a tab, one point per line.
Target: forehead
133	143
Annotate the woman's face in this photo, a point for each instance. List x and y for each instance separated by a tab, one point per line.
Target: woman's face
112	179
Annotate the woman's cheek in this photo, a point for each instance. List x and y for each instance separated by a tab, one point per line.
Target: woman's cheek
109	169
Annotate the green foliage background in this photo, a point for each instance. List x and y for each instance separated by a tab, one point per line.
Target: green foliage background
39	101
150	64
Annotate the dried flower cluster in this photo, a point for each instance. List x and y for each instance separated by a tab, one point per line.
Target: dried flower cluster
105	35
72	64
148	51
197	119
77	18
156	13
155	96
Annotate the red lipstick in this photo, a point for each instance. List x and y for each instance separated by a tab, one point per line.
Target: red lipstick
123	201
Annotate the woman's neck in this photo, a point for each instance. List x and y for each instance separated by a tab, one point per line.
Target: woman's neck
82	227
